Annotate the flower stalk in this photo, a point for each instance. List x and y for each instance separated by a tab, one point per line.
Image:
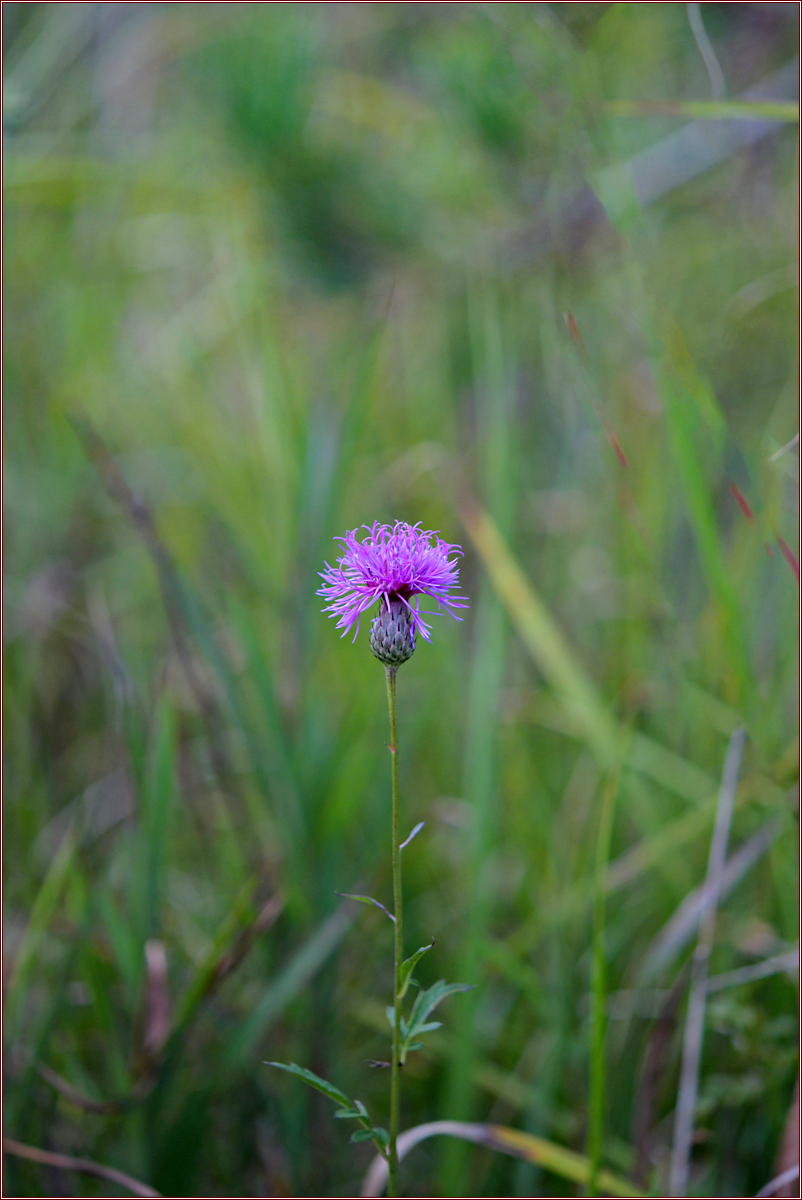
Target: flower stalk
398	946
394	565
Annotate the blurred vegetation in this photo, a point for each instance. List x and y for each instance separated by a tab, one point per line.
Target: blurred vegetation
275	271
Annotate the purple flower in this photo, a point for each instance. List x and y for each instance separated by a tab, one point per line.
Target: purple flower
393	564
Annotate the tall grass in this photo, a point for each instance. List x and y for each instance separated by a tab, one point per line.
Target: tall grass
275	271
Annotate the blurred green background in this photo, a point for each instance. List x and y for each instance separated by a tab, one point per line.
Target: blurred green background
276	271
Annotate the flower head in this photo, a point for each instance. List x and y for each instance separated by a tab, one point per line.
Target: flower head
393	564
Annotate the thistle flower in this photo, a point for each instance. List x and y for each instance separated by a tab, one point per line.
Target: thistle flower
394	564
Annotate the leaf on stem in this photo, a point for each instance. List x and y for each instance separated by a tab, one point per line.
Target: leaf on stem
358	1110
321	1085
427	1000
374	1134
414	834
390	1010
367	900
350	1108
407	967
425	1003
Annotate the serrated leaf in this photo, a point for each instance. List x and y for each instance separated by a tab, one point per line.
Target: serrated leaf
321	1085
414	833
367	900
408	965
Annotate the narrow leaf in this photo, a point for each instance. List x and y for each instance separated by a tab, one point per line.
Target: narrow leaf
408	965
367	900
414	833
407	1045
290	982
536	1150
553	1157
428	1000
321	1085
706	110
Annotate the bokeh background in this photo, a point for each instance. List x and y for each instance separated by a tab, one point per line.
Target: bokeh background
277	271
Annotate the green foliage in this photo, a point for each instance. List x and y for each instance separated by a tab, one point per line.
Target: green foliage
320	1085
425	1003
408	966
352	1108
276	271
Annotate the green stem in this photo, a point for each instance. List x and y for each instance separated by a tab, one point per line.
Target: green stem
395	1077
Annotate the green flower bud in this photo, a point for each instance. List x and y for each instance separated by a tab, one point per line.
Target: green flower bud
392	638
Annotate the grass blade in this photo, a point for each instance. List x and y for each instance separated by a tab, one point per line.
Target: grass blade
705	110
85	1165
526	1146
44	908
598	1023
694	1020
290	983
541	635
